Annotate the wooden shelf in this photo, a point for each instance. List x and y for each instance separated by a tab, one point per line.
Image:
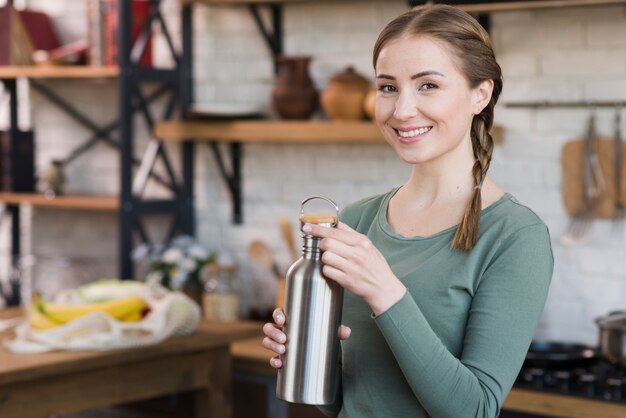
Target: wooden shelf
502	6
269	131
279	131
235	2
529	5
8	72
95	203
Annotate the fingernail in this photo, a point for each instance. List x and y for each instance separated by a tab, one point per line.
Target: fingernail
307	228
281	349
281	338
280	317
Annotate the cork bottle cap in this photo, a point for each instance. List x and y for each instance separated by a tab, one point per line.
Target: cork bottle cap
318	218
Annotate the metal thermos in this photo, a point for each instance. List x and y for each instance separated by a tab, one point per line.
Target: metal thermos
310	372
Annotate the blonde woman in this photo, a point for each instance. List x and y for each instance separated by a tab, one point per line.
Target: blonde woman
447	275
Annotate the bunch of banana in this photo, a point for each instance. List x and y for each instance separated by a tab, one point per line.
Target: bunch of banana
46	315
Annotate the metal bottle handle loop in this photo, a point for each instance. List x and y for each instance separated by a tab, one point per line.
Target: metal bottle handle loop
305	201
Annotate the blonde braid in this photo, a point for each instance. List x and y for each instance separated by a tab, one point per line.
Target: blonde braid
482	143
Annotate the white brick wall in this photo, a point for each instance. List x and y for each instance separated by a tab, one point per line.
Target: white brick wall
570	54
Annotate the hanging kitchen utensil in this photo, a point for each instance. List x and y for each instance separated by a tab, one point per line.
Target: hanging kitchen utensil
593	187
573	158
618	213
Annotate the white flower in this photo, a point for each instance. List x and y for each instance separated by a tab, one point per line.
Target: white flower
188	265
198	251
172	255
178	278
140	252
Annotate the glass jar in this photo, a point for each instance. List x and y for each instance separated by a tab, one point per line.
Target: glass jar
220	301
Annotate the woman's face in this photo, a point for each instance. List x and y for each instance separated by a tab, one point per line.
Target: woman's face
424	105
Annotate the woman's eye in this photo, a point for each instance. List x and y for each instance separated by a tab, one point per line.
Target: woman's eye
387	88
427	86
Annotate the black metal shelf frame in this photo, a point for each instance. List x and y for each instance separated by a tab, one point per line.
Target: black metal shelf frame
178	81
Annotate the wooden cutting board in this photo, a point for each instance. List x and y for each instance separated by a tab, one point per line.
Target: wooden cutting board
572	165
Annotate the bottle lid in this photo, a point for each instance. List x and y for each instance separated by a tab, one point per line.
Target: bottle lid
318	218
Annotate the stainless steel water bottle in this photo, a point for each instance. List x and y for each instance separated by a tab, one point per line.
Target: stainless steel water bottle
310	372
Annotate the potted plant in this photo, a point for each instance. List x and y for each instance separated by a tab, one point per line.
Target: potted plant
177	265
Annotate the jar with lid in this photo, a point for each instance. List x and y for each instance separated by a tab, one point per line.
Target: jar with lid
343	98
220	301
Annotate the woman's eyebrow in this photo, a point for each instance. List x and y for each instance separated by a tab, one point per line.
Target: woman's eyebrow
426	73
414	76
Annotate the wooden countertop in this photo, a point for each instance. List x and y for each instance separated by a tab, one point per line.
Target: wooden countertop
250	356
23	367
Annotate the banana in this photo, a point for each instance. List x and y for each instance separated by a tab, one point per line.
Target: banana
133	317
117	308
38	320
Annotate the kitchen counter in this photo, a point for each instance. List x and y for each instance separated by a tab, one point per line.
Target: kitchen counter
249	356
553	405
43	385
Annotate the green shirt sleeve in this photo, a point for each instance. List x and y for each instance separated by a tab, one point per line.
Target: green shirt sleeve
504	313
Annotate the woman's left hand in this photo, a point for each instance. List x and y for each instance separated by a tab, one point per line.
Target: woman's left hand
355	263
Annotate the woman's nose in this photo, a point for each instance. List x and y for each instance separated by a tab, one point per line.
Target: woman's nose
406	106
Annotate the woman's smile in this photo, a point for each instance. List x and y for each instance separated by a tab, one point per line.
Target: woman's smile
411	134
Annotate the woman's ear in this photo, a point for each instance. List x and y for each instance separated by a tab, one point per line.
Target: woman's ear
482	95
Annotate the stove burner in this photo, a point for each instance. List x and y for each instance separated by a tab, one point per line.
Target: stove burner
599	380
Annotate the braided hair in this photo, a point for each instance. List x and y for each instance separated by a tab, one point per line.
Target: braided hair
472	52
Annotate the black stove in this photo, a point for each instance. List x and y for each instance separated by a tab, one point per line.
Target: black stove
599	380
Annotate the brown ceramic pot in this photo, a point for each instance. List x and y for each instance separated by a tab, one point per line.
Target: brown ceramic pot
343	98
294	95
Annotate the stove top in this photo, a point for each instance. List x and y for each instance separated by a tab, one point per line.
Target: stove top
598	380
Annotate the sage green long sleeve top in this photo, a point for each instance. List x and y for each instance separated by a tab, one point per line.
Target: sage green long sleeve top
454	344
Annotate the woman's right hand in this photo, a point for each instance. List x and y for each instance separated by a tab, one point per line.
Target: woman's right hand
275	338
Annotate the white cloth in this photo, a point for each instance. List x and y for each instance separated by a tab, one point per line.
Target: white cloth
171	314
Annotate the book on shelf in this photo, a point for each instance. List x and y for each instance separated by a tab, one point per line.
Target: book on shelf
17	161
40	29
15	45
104	28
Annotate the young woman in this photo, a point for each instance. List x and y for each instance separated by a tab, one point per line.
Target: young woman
447	275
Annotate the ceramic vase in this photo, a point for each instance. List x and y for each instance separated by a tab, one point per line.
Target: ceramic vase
294	95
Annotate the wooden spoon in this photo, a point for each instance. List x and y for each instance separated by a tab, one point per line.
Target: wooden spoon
263	256
286	228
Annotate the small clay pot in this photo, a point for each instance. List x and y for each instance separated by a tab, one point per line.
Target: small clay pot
369	103
343	98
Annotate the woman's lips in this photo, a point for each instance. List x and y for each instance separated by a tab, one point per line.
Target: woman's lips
410	135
